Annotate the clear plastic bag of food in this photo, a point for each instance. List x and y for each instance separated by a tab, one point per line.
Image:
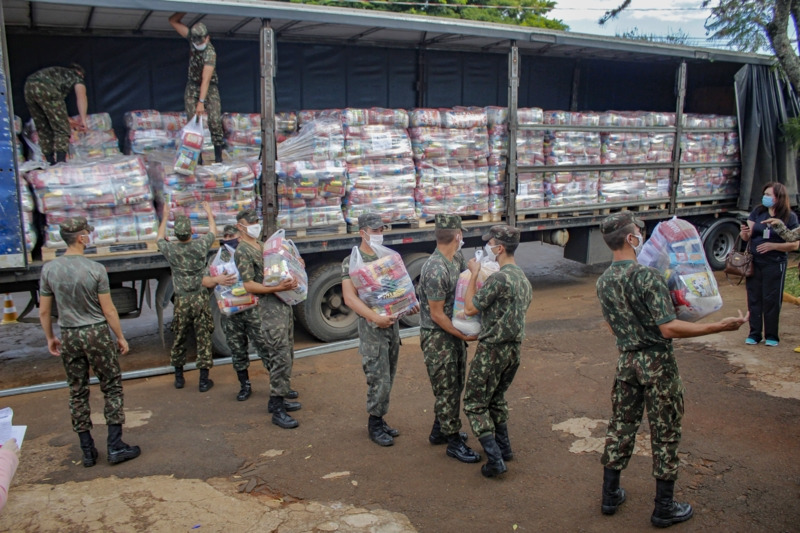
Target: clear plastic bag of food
231	299
384	284
282	261
471	325
190	146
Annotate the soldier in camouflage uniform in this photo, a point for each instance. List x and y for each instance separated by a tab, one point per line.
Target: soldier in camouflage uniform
202	93
267	325
85	312
187	260
637	305
503	302
45	91
379	337
444	347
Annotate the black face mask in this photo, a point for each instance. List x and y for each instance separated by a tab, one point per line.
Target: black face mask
233	243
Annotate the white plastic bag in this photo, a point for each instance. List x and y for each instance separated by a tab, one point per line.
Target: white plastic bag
190	147
675	249
282	261
234	298
471	325
384	284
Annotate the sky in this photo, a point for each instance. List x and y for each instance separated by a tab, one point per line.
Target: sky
659	17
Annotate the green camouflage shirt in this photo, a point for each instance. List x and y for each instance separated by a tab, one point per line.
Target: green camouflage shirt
788	235
199	59
437	282
503	302
187	261
75	282
62	79
250	262
367	258
635	301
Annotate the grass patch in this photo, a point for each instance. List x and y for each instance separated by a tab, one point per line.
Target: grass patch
792	283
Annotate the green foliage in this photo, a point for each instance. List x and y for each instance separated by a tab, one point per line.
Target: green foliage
791	131
678	37
740	23
792	283
519	12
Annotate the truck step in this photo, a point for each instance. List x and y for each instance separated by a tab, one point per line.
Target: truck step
127	248
317	231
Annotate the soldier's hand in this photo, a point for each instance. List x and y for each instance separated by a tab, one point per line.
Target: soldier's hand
302	262
207	208
384	321
772	221
469	338
11	445
474	266
733	323
123	346
200	109
286	285
414	310
54	346
226	279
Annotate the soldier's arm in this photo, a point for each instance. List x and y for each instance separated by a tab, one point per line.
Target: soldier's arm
205	81
443	321
110	312
175	22
355	303
679	329
162	227
82	102
46	319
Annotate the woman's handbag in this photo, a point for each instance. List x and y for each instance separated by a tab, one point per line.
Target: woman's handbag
739	263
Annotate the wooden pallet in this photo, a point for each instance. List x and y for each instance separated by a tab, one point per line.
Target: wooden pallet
687	202
109	250
465	219
579	211
338	229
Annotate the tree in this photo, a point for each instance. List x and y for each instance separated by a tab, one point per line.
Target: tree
678	37
519	12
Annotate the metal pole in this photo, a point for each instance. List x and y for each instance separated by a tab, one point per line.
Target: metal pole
676	163
269	149
513	123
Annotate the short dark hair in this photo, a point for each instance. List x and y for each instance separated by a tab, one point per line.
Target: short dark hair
509	248
70	238
445	235
616	239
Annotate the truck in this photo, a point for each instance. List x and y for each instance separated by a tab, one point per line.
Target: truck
277	56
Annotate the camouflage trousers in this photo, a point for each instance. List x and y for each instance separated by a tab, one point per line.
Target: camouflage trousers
241	328
91	347
278	323
490	375
49	112
380	350
662	395
446	360
213	107
192	311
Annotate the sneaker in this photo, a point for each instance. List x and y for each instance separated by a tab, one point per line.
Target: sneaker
750	341
797	349
771	342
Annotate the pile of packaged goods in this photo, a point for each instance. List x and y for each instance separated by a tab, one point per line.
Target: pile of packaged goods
281	262
380	171
384	284
451	147
471	325
321	139
99	139
28	205
243	132
150	130
720	147
18	150
113	194
231	299
310	193
675	249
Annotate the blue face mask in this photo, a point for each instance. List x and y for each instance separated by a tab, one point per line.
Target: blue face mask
767	201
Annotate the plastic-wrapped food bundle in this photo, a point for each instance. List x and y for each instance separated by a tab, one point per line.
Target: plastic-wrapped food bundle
318	140
150	130
710	147
430	142
712	181
375	141
530	190
657	182
451	186
621	186
190	147
231	299
383	284
693	120
397	118
97	121
309	115
636	148
675	249
282	261
310	193
93	143
28	205
384	186
471	325
570	188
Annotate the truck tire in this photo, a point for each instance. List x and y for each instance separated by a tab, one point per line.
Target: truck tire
218	341
413	264
718	241
324	313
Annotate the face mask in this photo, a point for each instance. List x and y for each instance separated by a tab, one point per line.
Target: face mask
233	243
375	240
638	248
767	201
200	47
254	231
90	240
490	255
460	242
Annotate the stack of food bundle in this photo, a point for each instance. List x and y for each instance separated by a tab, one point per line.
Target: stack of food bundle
113	194
150	130
380	171
243	132
451	150
18	149
28	206
497	121
99	139
318	140
718	147
310	193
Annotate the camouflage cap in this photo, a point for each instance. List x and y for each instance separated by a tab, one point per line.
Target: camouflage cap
248	215
447	221
370	220
75	224
183	226
619	220
229	229
198	32
503	234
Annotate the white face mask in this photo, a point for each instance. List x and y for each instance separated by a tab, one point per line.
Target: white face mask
490	255
638	248
254	231
90	239
375	240
460	242
200	47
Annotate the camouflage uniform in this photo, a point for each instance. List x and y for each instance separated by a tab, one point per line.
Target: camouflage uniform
380	350
503	302
445	355
213	105
788	235
75	283
192	309
45	94
635	301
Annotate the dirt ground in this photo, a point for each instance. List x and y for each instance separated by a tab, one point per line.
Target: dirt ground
215	464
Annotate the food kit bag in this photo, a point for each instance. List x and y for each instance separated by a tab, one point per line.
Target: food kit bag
675	249
384	284
234	298
282	261
471	325
190	147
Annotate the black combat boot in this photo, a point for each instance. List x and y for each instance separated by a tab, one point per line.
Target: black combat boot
61	157
495	465
279	415
667	511
288	406
503	442
613	494
244	381
205	382
392	432
88	449
118	451
436	436
376	432
179	380
292	394
458	450
218	154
